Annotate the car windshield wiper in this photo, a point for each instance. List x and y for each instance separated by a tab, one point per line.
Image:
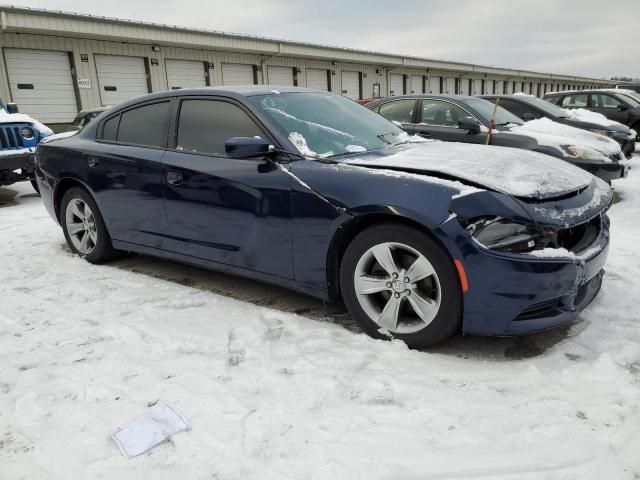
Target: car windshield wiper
504	124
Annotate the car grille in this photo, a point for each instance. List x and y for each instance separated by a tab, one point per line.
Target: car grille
542	309
10	138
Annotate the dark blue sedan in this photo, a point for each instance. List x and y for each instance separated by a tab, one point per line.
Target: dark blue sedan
309	190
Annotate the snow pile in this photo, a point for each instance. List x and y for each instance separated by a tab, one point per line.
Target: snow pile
553	134
273	395
584	115
300	143
23	118
509	170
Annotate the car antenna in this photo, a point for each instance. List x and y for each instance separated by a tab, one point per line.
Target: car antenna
492	122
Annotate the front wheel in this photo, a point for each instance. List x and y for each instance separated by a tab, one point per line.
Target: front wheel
397	281
83	226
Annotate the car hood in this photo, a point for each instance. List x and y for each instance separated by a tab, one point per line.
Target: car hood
516	172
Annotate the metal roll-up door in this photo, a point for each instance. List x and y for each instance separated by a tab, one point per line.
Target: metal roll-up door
237	74
450	85
500	87
396	84
434	85
417	84
120	78
351	85
185	73
41	84
476	87
488	87
317	78
282	76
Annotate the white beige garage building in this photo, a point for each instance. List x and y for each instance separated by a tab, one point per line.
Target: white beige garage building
55	64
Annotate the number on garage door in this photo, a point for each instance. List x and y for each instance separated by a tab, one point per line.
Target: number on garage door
120	78
41	84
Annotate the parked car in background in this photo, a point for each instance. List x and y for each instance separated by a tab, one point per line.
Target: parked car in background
309	190
631	86
528	107
19	137
85	116
612	103
459	118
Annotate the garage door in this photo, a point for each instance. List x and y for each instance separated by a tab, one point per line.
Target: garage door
237	74
488	87
317	78
499	87
396	84
351	85
476	87
280	76
450	85
464	86
41	84
120	78
434	85
185	73
417	84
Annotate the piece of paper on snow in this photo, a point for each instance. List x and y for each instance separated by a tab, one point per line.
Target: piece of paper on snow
145	432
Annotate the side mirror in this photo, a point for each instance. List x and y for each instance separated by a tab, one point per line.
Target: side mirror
470	124
527	117
12	108
619	107
246	147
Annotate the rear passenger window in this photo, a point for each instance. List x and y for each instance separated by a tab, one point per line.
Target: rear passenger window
601	100
574	101
146	125
517	108
205	125
400	110
110	129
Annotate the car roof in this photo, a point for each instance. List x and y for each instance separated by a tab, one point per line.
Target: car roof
591	90
422	95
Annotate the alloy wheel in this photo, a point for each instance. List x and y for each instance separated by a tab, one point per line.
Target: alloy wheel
81	226
397	287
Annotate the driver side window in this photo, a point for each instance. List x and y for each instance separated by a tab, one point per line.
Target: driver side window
205	125
445	114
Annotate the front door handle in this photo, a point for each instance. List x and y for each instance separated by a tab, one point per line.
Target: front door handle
174	178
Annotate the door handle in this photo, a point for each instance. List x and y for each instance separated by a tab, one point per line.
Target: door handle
93	161
174	178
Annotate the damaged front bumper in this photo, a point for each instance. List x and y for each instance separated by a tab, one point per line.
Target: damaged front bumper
17	165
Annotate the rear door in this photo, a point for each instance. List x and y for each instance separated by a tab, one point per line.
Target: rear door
235	212
120	78
124	168
41	84
185	74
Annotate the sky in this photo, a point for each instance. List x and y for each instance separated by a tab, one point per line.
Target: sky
586	38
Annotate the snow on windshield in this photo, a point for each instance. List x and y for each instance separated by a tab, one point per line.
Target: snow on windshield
554	134
509	170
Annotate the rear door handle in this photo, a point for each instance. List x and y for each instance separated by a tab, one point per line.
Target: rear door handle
174	178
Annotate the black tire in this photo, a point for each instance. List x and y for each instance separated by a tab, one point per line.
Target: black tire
34	184
447	320
103	249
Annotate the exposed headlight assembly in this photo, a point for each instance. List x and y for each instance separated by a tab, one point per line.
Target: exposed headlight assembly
585	153
504	235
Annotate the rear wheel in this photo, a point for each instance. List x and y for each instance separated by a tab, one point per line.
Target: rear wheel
83	226
397	281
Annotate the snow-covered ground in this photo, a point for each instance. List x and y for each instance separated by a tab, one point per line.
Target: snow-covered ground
275	395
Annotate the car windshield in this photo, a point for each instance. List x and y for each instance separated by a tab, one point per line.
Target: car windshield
547	107
631	97
485	109
328	125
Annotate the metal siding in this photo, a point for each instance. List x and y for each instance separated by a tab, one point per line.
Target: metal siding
52	98
126	74
184	73
237	74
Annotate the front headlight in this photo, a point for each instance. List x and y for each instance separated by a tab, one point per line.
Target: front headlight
504	235
27	133
585	153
